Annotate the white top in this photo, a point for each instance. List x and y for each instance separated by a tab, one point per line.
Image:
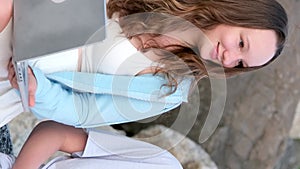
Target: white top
10	105
114	55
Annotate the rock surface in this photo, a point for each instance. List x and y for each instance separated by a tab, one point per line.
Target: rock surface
189	153
295	130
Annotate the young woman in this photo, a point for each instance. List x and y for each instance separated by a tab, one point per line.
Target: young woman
168	36
178	41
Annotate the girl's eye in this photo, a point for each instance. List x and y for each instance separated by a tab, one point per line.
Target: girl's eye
241	43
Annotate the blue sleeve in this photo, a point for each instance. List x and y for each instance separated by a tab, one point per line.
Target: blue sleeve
53	102
69	105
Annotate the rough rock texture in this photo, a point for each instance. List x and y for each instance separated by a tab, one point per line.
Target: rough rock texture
189	153
295	130
20	128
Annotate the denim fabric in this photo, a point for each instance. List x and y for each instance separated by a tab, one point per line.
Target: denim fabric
5	141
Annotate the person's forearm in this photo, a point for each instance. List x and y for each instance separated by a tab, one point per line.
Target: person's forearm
38	148
100	99
53	101
47	138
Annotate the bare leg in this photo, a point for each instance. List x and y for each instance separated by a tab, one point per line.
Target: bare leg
47	138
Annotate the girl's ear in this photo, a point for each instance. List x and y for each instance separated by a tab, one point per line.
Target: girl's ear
6	8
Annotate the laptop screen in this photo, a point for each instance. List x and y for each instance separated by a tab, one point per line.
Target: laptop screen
43	27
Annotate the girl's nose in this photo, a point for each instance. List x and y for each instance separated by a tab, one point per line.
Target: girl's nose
231	59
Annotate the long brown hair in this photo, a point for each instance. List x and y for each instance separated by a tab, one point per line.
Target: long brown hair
205	14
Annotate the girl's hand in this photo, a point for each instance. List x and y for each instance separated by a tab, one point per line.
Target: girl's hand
32	84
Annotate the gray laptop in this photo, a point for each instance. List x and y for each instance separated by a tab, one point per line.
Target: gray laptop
43	27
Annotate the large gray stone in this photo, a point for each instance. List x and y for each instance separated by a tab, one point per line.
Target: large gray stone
190	154
295	130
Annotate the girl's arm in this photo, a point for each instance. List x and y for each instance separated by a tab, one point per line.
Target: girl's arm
88	100
47	138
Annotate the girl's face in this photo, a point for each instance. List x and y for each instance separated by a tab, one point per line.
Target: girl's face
5	12
238	46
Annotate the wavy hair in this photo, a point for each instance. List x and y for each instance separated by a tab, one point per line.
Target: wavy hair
204	14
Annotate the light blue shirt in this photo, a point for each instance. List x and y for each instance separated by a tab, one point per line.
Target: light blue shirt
90	100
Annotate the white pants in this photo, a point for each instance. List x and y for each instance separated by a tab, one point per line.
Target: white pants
111	151
6	161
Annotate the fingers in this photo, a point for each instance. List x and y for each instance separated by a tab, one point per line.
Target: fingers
31	99
12	75
32	85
